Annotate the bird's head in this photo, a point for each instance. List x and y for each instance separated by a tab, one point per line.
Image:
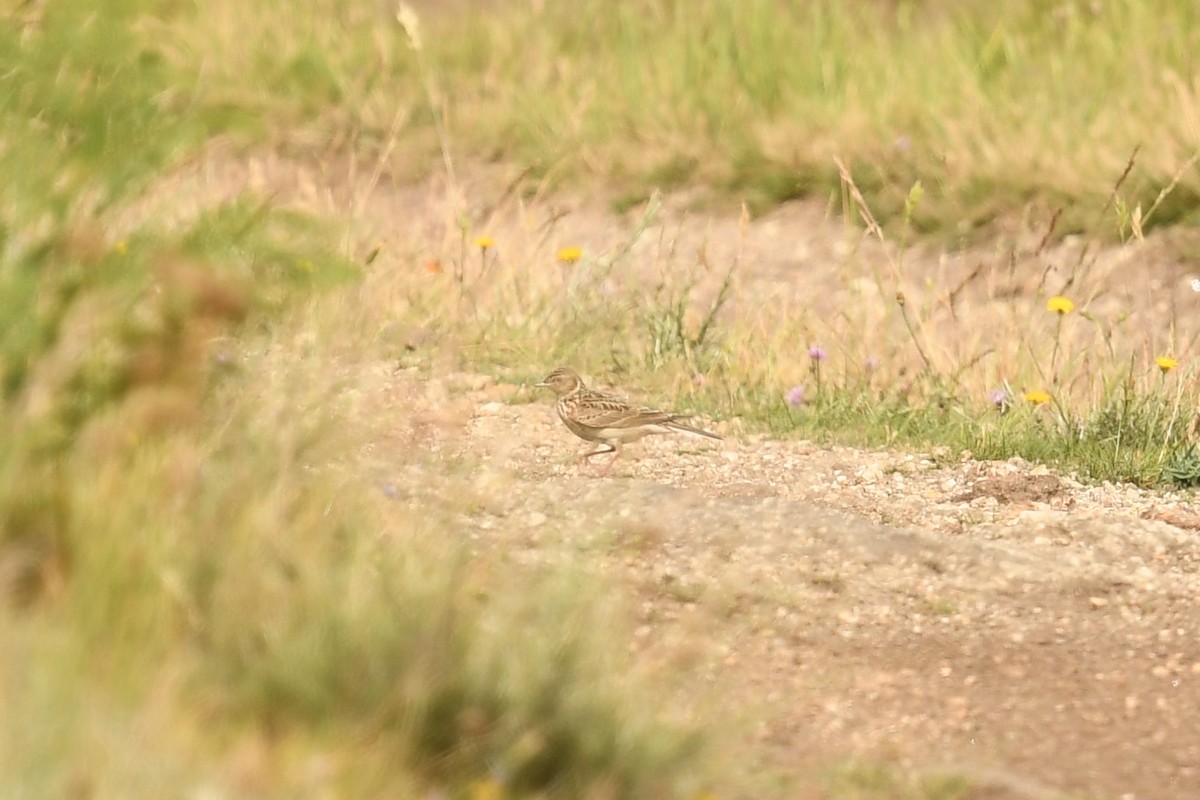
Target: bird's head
562	382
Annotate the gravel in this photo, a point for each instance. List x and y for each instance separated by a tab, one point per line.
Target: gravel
820	604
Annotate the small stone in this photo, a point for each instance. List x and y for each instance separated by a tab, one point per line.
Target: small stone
1098	602
536	519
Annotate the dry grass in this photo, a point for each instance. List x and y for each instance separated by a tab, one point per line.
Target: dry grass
909	347
204	592
262	598
996	111
207	582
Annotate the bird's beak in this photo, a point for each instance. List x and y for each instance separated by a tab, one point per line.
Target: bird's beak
541	385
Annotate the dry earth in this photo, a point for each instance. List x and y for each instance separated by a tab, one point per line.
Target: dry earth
933	611
927	610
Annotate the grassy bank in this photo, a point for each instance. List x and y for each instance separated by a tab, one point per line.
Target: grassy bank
995	109
875	353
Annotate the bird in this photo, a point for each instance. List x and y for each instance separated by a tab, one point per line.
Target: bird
607	419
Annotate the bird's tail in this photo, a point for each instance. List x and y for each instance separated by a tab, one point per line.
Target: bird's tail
685	428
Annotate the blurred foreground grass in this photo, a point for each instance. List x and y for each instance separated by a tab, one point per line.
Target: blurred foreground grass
193	598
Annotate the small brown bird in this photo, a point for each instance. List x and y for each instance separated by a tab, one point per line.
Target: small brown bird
605	419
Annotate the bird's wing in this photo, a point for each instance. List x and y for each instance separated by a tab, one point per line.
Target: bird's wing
605	411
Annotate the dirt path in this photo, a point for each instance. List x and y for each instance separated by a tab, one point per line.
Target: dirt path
943	614
935	612
928	610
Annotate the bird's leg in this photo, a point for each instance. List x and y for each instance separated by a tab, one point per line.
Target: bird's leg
597	452
616	451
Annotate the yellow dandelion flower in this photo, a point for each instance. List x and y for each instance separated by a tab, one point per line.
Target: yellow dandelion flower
486	790
1060	305
1166	363
484	242
122	247
1038	397
569	255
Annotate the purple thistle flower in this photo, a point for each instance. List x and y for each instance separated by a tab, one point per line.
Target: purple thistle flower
1000	398
795	396
816	352
872	363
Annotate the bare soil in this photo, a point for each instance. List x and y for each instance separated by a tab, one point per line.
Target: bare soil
944	614
926	610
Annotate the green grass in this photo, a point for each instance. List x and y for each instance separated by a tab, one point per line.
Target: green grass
865	781
994	108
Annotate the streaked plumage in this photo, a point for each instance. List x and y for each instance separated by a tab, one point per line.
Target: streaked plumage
606	419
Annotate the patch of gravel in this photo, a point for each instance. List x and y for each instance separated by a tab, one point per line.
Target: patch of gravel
927	609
